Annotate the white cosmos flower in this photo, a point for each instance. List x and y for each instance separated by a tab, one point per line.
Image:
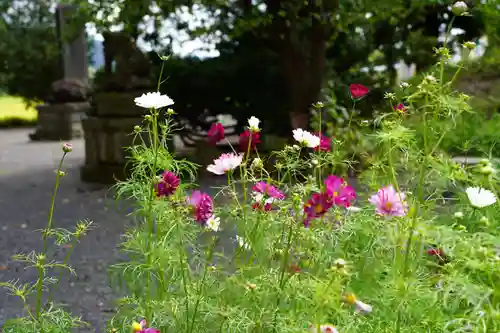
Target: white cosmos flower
353	209
153	100
253	124
305	138
257	196
362	307
325	328
213	223
242	243
480	197
225	163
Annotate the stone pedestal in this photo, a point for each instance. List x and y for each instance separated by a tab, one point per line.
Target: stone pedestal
60	121
108	133
106	141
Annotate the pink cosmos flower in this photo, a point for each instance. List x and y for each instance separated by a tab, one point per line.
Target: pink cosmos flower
341	194
265	195
202	205
389	202
268	190
317	206
401	108
249	137
358	91
325	143
168	184
225	163
215	133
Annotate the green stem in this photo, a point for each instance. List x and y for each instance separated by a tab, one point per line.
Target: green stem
202	282
52	205
350	115
39	293
445	44
46	232
65	261
150	214
281	284
416	208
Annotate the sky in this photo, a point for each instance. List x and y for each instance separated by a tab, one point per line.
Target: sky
182	43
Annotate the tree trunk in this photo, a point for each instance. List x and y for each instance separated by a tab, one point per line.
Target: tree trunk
302	54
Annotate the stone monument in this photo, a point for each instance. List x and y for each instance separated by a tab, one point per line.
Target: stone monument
110	122
59	118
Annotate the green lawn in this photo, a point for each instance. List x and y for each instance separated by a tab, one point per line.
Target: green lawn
13	112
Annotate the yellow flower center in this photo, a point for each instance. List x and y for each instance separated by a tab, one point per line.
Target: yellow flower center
350	298
136	327
318	208
388	205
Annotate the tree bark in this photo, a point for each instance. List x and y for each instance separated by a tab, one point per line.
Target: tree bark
302	54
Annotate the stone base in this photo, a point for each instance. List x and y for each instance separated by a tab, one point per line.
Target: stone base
106	142
57	122
118	104
103	174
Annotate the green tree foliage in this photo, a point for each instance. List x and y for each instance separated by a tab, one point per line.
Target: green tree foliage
29	54
302	44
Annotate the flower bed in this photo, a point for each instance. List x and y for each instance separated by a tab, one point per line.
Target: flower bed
310	253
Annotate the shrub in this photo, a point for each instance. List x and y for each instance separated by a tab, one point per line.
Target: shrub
289	253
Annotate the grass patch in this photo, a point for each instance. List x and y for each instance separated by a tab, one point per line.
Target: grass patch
13	113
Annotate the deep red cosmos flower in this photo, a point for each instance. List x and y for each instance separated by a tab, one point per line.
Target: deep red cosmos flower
358	91
168	184
439	254
215	133
325	143
317	206
249	137
401	108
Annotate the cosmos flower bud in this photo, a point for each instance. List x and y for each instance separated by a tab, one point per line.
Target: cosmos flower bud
67	148
469	45
459	8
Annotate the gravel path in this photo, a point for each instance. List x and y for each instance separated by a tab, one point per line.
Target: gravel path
26	182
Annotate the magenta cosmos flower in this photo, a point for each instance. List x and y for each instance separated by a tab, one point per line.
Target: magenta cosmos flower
389	202
249	137
167	185
317	206
325	143
142	327
358	91
202	206
225	163
341	194
215	133
265	195
401	108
